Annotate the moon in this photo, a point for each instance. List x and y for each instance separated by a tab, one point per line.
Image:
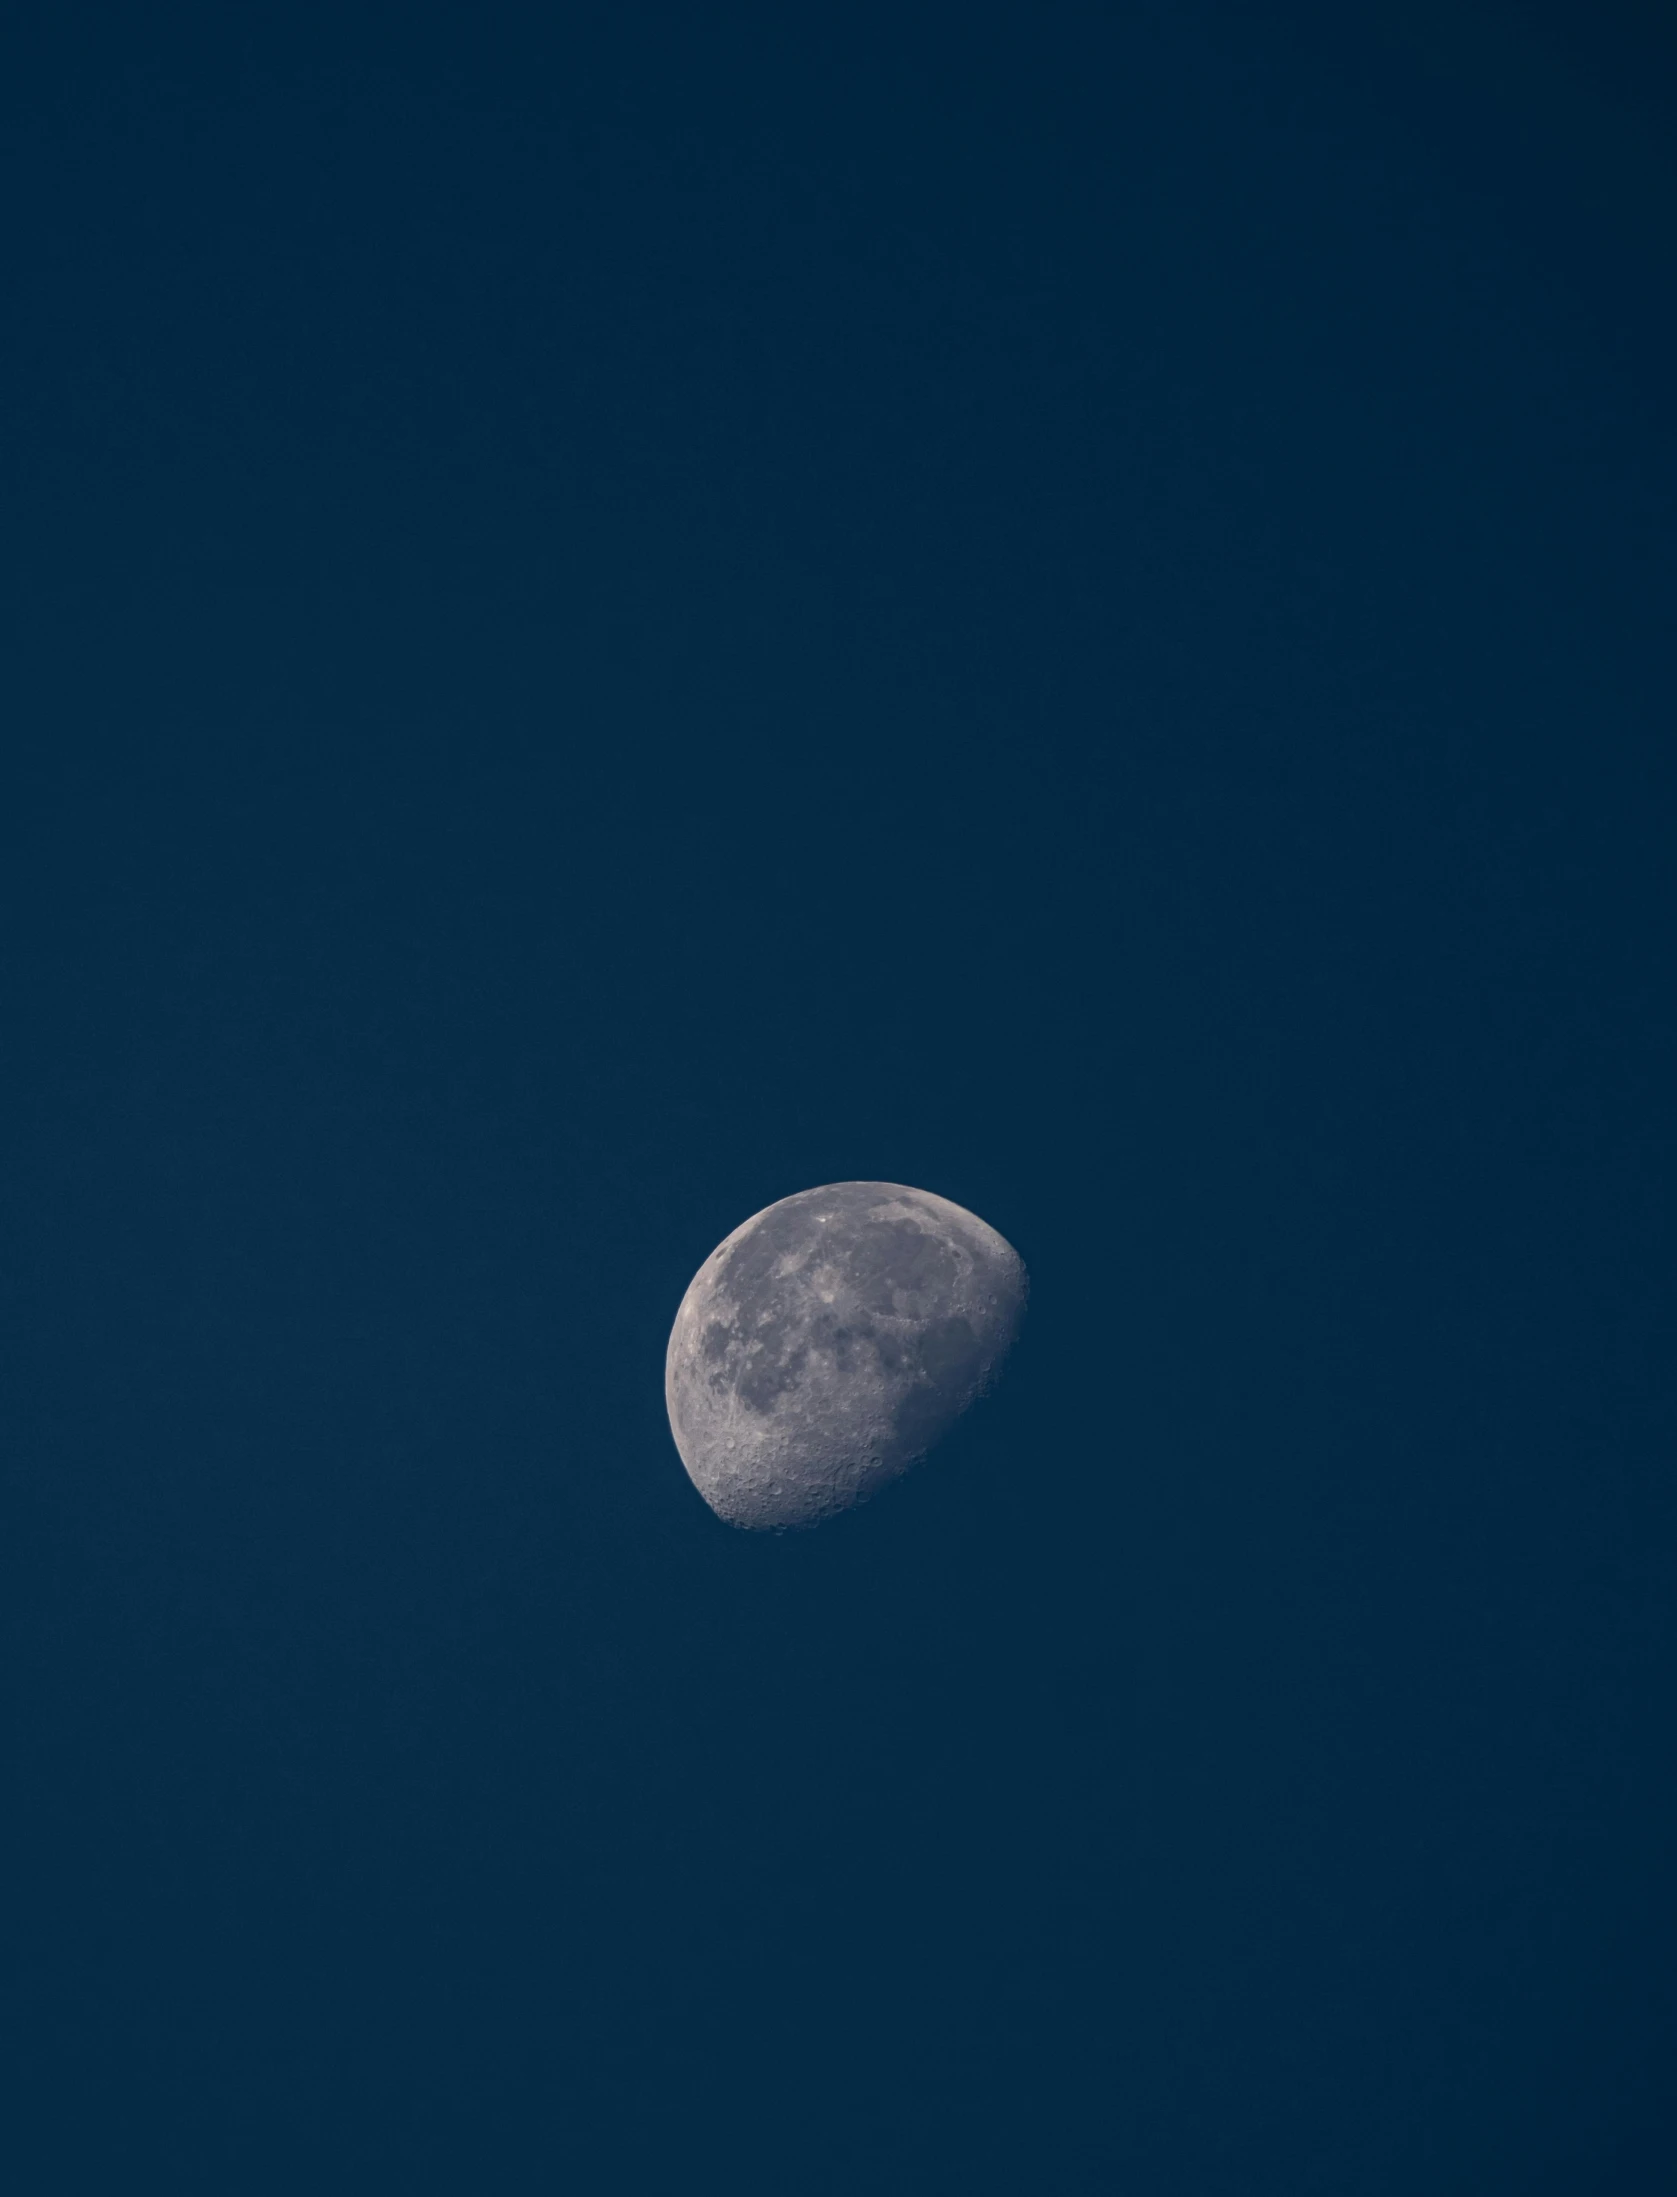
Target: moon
830	1342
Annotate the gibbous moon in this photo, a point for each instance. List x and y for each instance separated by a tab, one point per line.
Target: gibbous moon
830	1342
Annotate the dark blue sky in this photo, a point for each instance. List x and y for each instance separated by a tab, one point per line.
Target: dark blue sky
615	613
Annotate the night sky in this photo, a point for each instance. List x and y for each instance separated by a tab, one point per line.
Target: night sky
615	612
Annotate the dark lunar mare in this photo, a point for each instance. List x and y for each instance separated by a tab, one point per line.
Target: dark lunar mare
830	1342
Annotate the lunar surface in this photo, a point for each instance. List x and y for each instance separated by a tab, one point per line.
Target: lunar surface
829	1342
